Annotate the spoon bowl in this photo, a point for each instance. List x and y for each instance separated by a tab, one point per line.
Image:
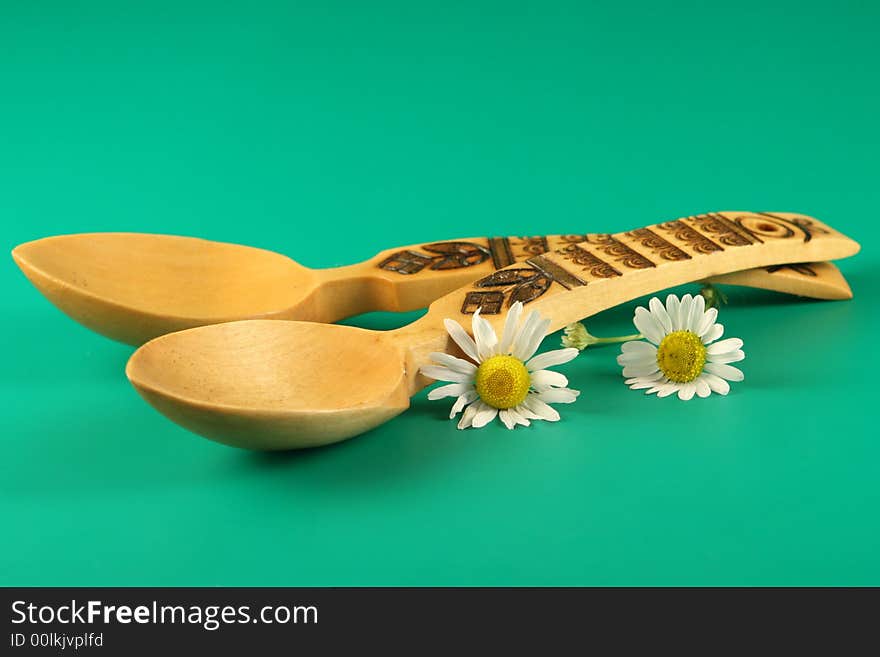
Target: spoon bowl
256	383
133	287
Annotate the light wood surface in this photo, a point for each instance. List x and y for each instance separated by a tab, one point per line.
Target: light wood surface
285	384
817	280
133	287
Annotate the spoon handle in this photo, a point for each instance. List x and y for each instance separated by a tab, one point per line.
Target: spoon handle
580	279
412	277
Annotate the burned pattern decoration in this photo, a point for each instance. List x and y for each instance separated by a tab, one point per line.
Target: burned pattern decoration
502	254
445	255
556	272
524	284
536	245
769	225
693	239
597	267
723	230
521	284
651	240
508	250
623	254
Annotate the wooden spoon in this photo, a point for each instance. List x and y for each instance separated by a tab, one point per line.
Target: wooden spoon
134	287
283	384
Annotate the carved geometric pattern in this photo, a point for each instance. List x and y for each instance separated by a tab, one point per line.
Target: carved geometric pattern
406	262
694	239
624	254
723	230
502	255
556	272
449	255
597	267
651	240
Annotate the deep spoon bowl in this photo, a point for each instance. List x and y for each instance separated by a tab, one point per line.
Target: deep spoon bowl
133	287
284	384
258	382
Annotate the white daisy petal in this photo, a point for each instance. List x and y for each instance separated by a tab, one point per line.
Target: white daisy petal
640	370
660	314
441	373
516	415
511	325
484	416
636	359
484	336
461	338
687	390
507	418
642	382
551	358
672	306
467	417
698	308
729	357
706	323
684	312
462	401
713	333
724	346
728	372
540	409
558	395
667	389
703	389
526	413
453	363
638	346
531	346
716	383
646	369
647	325
451	390
656	376
524	335
543	379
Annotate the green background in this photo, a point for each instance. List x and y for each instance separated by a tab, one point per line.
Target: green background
331	130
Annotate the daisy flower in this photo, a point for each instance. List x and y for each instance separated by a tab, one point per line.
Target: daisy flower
504	378
682	354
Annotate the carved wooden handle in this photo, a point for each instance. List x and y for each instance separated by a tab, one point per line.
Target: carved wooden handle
412	277
604	270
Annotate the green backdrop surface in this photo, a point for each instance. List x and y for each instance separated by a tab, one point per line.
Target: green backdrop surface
331	130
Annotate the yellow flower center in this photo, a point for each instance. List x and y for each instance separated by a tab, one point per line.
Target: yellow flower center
681	356
502	381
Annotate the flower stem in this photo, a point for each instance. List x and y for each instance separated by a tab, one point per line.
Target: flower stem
577	336
619	338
